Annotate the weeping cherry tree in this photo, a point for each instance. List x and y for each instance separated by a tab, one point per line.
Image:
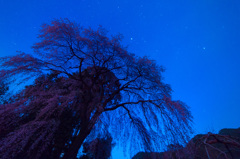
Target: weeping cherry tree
86	82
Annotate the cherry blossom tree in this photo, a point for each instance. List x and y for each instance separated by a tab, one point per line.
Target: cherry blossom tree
86	83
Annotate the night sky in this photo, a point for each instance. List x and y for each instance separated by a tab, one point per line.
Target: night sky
198	42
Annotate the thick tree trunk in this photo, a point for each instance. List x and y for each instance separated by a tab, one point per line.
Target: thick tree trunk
84	132
75	146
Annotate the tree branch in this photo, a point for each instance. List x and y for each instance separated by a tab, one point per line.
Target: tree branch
123	104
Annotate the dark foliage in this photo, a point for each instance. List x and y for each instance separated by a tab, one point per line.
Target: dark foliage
99	148
225	145
3	90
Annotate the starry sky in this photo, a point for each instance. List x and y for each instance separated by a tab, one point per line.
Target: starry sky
198	42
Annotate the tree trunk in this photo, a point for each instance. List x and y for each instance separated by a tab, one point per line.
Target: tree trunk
84	132
75	146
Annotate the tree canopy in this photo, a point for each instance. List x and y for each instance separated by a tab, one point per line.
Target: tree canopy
86	82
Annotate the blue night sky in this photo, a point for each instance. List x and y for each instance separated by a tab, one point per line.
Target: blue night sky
198	42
